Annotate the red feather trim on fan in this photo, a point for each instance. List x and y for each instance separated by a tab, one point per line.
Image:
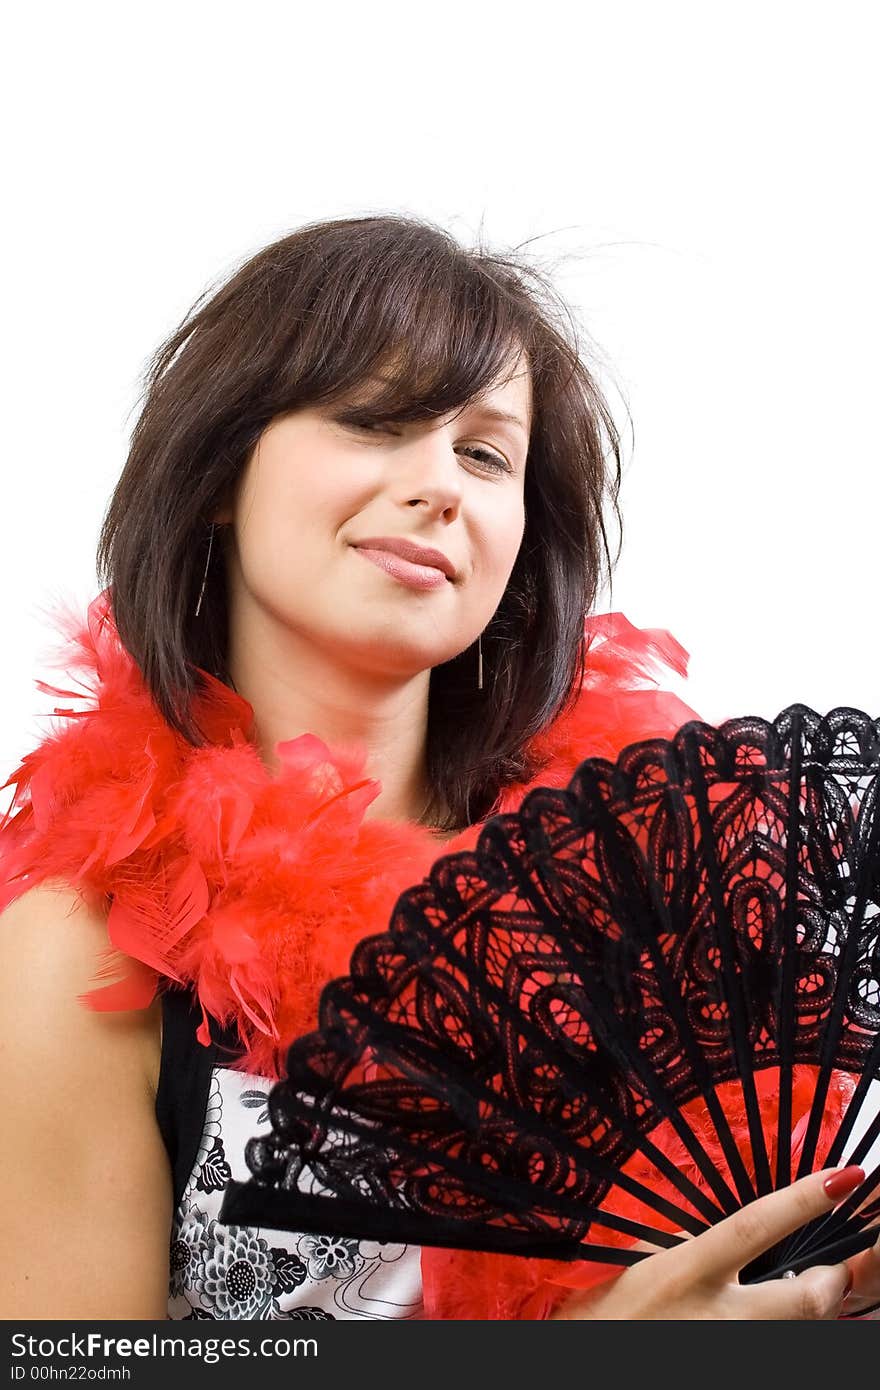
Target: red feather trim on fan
252	888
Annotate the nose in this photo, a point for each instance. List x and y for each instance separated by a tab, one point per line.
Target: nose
429	470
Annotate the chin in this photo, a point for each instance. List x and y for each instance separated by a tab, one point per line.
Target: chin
394	655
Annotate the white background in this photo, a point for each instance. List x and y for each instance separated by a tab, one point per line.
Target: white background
701	179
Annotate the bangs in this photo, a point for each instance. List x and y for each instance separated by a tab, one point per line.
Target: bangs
411	331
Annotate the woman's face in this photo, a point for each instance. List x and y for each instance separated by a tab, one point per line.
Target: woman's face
314	489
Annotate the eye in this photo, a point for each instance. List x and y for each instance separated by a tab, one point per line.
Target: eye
497	462
487	458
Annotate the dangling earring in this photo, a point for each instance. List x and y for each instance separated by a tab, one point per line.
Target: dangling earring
205	575
480	662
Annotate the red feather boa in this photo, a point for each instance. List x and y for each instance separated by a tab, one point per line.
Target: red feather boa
252	888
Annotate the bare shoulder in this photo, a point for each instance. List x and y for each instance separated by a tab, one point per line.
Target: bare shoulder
88	1183
52	946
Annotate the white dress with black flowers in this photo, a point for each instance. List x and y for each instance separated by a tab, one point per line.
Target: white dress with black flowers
247	1272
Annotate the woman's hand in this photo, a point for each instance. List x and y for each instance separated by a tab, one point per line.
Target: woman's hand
865	1270
698	1279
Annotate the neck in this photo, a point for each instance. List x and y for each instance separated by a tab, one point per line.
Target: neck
296	687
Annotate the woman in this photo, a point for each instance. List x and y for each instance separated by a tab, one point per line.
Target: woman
347	565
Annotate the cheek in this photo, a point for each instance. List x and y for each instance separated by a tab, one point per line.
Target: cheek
284	513
500	531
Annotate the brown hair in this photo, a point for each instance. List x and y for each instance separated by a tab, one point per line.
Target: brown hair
304	321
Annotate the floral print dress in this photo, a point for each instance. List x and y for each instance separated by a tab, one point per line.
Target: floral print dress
207	1110
246	1272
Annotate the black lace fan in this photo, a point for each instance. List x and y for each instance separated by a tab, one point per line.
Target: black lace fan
640	1002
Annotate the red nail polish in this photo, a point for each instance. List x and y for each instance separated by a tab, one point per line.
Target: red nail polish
843	1182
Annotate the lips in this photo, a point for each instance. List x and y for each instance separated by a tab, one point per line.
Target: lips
406	549
412	575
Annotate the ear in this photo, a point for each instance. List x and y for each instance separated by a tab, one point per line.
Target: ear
224	511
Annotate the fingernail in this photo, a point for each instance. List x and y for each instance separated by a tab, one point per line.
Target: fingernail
849	1285
843	1182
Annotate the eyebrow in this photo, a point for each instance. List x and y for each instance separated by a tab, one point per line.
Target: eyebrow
491	412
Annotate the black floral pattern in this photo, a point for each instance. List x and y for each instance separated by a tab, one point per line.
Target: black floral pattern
221	1272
